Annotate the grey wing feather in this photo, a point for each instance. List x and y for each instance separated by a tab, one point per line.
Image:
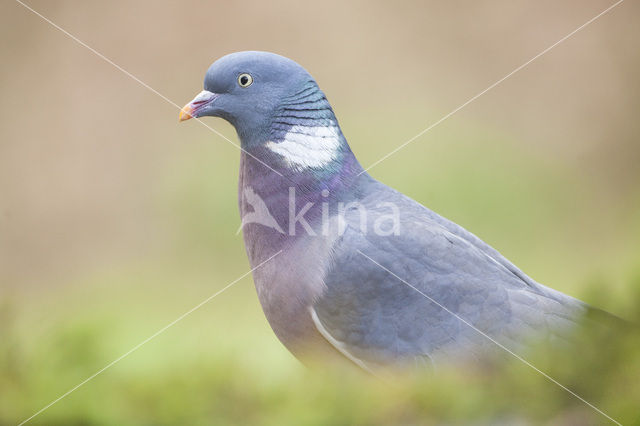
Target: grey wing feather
378	318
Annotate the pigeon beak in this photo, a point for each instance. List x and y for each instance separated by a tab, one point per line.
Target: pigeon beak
200	102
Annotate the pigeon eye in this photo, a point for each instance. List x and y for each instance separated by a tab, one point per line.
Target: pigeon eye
245	80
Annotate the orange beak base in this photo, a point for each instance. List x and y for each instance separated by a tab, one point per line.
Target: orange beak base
186	113
200	102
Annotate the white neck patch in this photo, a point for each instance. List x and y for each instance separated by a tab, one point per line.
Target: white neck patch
306	147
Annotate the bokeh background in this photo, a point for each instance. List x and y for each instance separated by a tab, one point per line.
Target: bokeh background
115	220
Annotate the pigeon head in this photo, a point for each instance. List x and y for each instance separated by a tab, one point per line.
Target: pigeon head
247	89
276	107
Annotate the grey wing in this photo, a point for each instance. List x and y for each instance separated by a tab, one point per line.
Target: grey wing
430	292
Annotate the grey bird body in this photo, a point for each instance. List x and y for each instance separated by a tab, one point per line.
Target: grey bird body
360	269
326	290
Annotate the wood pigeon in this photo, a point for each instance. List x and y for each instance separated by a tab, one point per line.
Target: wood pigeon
347	265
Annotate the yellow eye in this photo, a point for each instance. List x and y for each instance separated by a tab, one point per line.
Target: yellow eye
245	80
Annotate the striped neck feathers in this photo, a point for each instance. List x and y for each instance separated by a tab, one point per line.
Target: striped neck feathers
305	133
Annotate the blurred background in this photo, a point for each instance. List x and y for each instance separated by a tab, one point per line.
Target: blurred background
115	220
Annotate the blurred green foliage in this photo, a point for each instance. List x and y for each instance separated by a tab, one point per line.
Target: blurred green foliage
176	381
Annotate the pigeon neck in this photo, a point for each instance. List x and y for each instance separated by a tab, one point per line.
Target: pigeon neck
301	163
282	202
302	142
262	168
